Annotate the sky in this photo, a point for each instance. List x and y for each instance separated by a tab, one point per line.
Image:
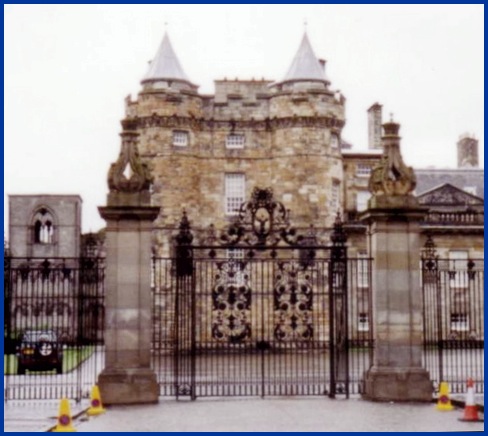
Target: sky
68	69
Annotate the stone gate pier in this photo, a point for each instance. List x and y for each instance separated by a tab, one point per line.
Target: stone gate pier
128	377
393	217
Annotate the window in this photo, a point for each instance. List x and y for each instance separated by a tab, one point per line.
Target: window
363	322
235	192
334	140
180	138
362	198
43	227
335	196
458	260
363	170
459	322
363	270
235	254
458	265
235	140
236	265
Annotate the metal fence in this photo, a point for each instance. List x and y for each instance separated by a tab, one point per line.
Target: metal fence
260	327
53	327
453	301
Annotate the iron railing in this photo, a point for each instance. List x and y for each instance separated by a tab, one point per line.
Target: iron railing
453	304
260	327
53	327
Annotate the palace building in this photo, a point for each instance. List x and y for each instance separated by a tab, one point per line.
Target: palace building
208	152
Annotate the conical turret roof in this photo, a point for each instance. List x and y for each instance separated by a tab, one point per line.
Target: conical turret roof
305	65
165	65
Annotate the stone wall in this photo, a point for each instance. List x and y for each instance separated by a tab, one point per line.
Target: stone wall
288	146
65	214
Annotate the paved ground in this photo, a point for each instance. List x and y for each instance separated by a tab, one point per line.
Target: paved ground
249	414
35	415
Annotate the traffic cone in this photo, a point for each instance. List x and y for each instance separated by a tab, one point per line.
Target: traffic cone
65	422
444	402
96	407
470	408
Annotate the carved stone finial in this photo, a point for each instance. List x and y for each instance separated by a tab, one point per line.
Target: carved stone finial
129	173
391	177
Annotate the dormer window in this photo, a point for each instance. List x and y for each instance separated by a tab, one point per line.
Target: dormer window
180	138
235	140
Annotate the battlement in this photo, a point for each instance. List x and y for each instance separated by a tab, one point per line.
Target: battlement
245	90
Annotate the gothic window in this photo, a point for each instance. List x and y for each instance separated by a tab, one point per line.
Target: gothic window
235	140
180	138
235	192
43	227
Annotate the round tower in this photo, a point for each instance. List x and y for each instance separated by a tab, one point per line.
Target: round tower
307	118
168	114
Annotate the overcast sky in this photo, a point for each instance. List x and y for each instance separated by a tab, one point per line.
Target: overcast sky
68	69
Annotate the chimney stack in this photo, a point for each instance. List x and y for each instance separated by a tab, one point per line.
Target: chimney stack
467	152
374	126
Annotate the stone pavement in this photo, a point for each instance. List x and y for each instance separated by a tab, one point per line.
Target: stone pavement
248	414
35	415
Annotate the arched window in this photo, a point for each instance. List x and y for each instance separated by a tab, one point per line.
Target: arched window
43	227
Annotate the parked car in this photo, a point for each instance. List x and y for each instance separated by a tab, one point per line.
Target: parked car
39	350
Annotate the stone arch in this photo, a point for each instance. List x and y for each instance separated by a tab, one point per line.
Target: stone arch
44	224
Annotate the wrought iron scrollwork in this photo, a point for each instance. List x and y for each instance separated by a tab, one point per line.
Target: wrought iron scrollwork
430	258
471	270
261	221
183	389
293	303
231	303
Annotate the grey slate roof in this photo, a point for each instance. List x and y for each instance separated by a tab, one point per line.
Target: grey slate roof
428	179
165	64
305	65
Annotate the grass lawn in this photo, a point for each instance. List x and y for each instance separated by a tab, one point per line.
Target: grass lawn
72	358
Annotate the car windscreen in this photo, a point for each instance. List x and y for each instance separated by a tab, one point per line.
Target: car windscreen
37	336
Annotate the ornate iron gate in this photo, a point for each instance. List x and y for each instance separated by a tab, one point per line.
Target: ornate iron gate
260	310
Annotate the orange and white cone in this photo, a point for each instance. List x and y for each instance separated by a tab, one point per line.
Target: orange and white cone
65	423
96	407
470	408
444	402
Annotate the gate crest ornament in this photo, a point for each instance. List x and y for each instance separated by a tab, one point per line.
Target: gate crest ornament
261	221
